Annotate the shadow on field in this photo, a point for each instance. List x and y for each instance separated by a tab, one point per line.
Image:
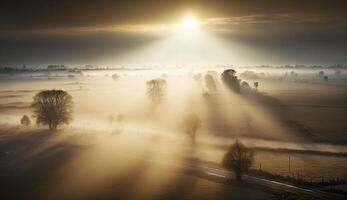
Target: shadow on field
181	187
215	114
282	112
22	171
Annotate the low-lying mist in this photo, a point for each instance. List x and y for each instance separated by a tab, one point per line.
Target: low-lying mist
121	121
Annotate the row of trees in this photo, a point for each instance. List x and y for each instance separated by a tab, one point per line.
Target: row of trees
238	158
55	107
228	77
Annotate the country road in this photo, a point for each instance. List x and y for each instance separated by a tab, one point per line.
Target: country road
214	173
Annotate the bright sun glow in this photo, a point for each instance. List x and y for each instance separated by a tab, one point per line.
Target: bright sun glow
189	22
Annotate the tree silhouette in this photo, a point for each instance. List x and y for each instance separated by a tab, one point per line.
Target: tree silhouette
191	125
156	90
52	108
230	79
25	120
239	158
245	86
256	85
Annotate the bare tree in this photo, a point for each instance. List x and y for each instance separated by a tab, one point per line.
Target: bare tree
52	108
239	158
192	124
256	85
230	79
156	90
25	120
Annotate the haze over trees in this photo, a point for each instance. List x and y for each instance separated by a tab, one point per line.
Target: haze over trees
249	75
191	124
230	79
156	90
197	77
238	158
25	120
210	83
245	86
52	108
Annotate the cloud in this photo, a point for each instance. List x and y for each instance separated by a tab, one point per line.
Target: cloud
118	28
230	23
284	20
77	32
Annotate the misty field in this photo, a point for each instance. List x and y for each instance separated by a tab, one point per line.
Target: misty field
302	114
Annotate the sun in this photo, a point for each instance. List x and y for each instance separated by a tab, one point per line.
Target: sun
189	22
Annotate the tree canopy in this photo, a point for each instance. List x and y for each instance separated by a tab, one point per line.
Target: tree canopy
191	125
52	108
230	79
25	120
239	158
156	90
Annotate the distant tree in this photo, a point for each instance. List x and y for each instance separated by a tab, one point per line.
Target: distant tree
251	75
256	85
245	86
156	90
321	73
230	79
206	95
52	108
115	77
25	120
119	124
163	75
294	74
214	74
326	78
238	158
210	83
337	72
111	119
197	77
192	124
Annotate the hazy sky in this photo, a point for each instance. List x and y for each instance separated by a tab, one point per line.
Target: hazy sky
132	32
